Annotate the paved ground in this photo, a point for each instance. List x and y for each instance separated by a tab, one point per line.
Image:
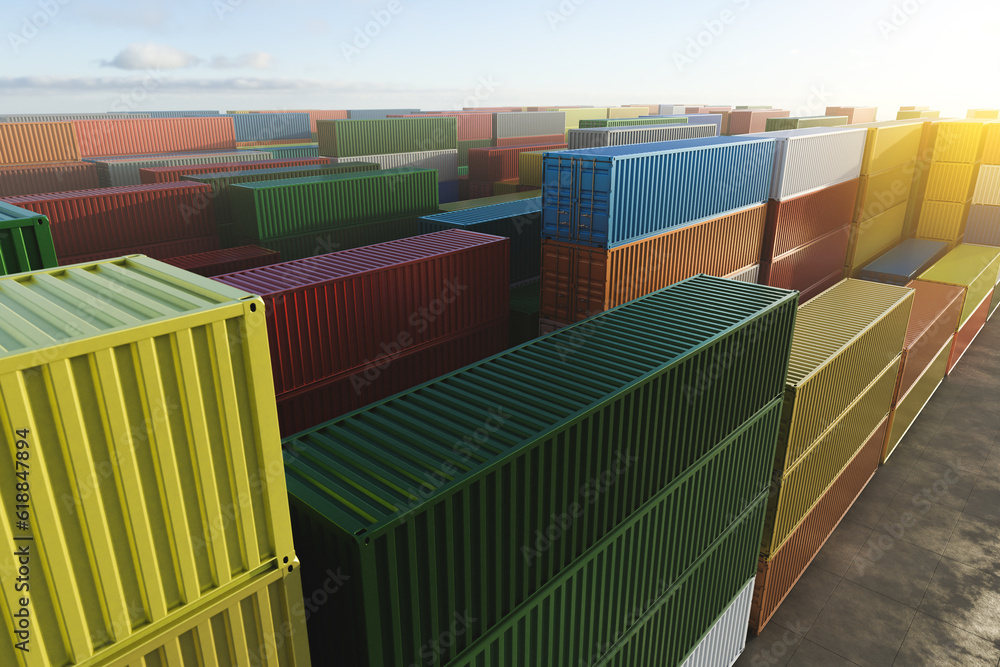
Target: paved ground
882	593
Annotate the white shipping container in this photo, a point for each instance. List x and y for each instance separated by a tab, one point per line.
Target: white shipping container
748	275
724	643
599	137
987	186
116	172
446	162
528	123
814	158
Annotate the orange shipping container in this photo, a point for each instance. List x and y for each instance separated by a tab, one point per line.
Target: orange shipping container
144	136
937	308
30	179
27	143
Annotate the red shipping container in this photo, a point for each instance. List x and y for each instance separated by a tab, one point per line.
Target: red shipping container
810	264
316	404
477	189
541	140
500	163
330	314
32	179
106	219
752	121
162	251
229	260
969	331
175	174
820	287
936	311
471	126
793	223
144	136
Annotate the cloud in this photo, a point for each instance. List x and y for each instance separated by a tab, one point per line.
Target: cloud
258	60
150	55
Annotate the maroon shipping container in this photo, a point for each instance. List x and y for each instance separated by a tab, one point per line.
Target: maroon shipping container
777	576
500	163
477	189
752	121
935	315
29	179
820	287
318	403
106	219
793	223
145	136
162	251
540	140
969	331
175	174
331	314
471	126
229	260
810	264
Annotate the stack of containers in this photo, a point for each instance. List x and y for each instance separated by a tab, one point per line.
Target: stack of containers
975	268
172	482
25	241
474	130
300	217
411	143
803	122
29	179
879	219
606	239
628	122
752	121
42	157
263	128
529	128
983	226
230	260
54	117
722	111
855	115
161	220
467	516
488	166
377	114
117	172
812	196
692	118
148	136
845	360
620	136
174	174
349	328
314	115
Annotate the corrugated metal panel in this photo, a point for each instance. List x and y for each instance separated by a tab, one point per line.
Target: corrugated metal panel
579	281
695	119
263	126
445	162
331	314
50	177
375	114
912	403
797	221
776	575
969	330
574	116
904	262
916	113
844	338
801	485
987	187
933	321
983	113
805	161
498	164
59	117
627	112
174	174
881	191
88	221
913	108
519	221
951	181
326	241
983	226
958	141
747	275
525	304
154	135
752	121
26	143
874	237
147	401
488	201
229	260
529	168
181	114
155	250
528	123
271	209
620	136
292	152
465	146
803	122
529	412
808	265
470	126
724	643
975	267
628	122
25	241
942	221
890	144
540	140
821	286
991	141
602	196
351	138
854	114
995	303
121	172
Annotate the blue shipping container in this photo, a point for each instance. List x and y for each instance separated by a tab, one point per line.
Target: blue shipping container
904	262
983	227
696	119
271	126
607	197
448	192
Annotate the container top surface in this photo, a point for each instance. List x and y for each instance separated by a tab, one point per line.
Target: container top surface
353	175
962	265
831	321
676	146
276	171
469	216
487	201
297	273
350	122
365	469
124	159
10	213
930	300
637	128
53	307
907	257
241	165
200	259
101	192
814	131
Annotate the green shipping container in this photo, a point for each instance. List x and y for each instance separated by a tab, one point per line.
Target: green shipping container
295	206
448	482
802	122
25	241
334	239
622	122
525	307
290	152
352	138
464	170
464	146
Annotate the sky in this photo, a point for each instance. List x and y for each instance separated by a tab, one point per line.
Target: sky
61	56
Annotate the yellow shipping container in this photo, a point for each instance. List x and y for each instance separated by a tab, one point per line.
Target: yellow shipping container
910	115
983	113
957	141
574	116
976	267
874	237
529	167
942	220
884	190
890	144
987	189
138	405
507	187
991	148
951	181
627	112
914	108
909	407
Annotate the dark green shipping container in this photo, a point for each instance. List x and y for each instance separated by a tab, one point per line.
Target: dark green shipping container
623	122
353	138
525	307
325	241
25	241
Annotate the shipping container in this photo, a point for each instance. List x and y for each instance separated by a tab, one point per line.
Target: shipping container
375	114
497	164
25	241
942	221
444	162
519	221
958	140
727	639
986	188
752	121
173	483
969	330
904	262
952	182
818	288
933	322
915	113
844	339
59	117
991	141
628	122
159	251
627	112
619	136
334	239
854	114
909	405
574	116
913	108
154	135
465	146
218	262
469	126
540	140
603	196
974	267
803	122
751	274
983	113
351	138
579	281
525	305
113	173
797	221
819	158
890	144
181	114
27	143
873	238
293	152
983	225
294	206
89	221
528	124
810	264
883	190
174	174
488	201
477	189
443	506
777	574
694	119
529	168
264	126
29	179
995	303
